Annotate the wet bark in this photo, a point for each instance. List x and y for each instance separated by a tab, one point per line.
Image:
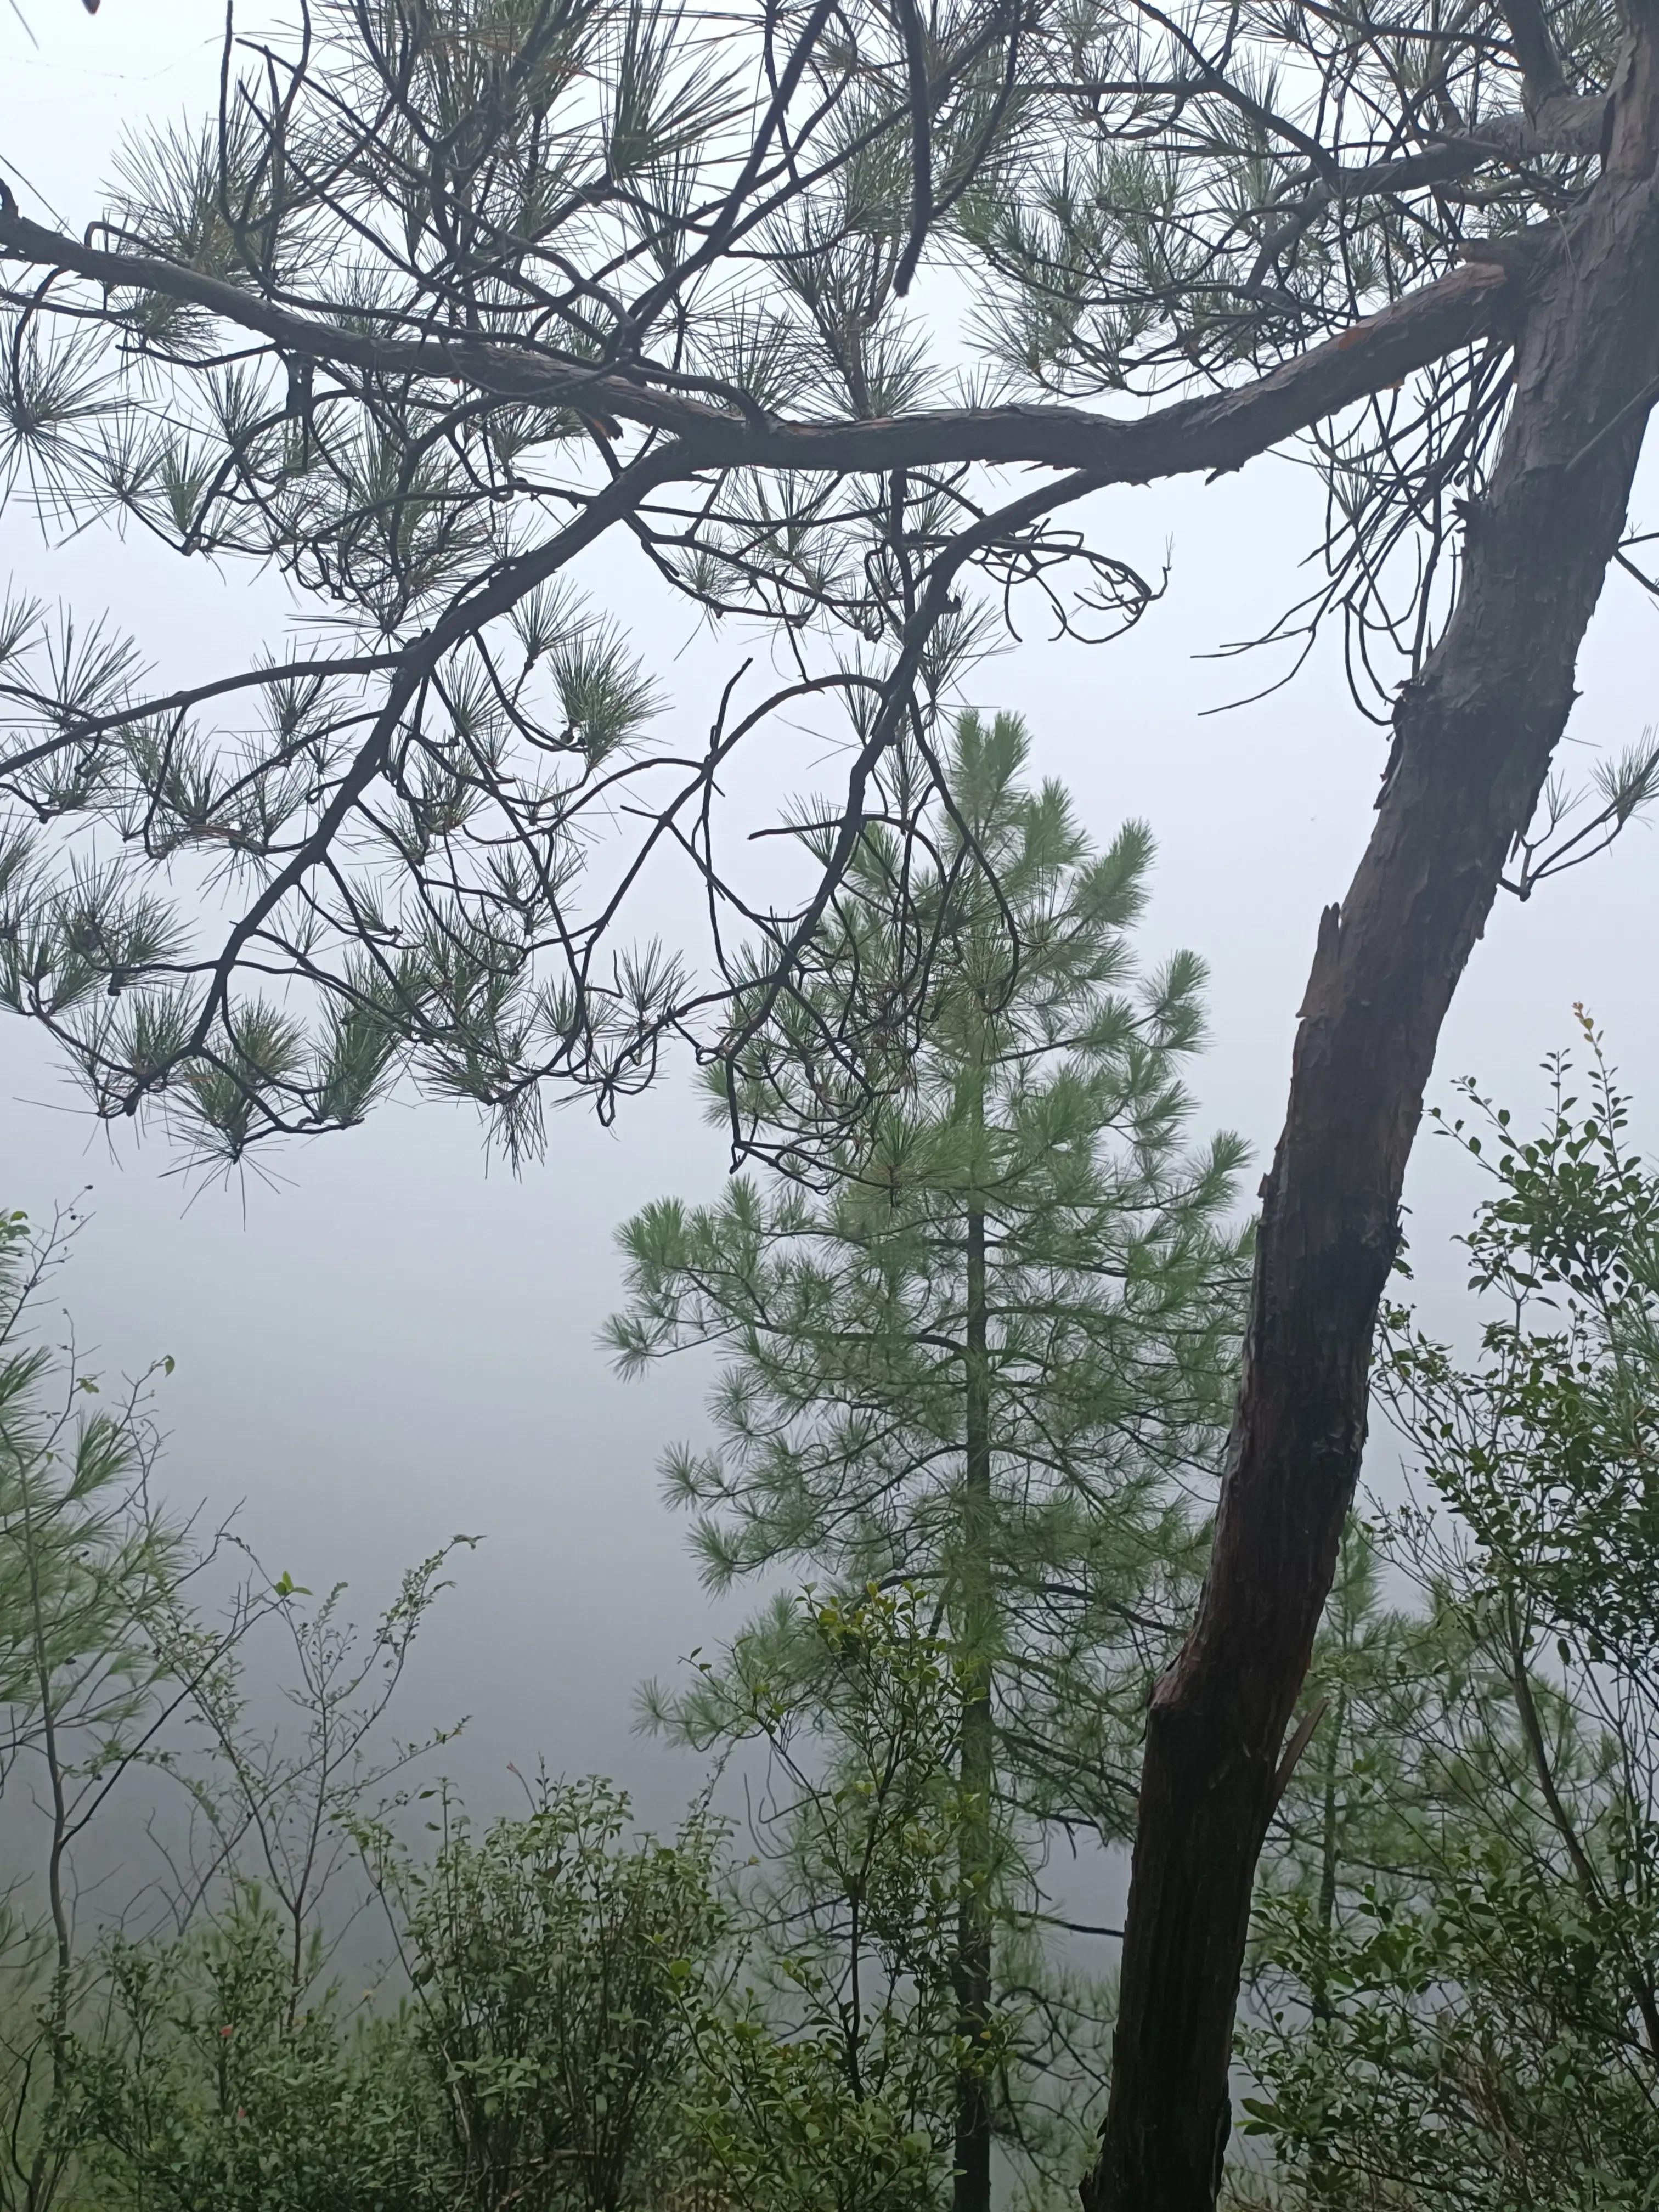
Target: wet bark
1474	736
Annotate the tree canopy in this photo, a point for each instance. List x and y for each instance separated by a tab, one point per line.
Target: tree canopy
452	290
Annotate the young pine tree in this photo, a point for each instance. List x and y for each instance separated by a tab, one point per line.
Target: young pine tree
987	1352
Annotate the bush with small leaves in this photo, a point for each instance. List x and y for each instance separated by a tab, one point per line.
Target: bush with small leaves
557	1963
1458	1951
211	2086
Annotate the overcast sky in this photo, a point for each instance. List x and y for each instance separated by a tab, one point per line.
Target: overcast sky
393	1340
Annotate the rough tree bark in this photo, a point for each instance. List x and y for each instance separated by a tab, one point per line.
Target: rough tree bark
1473	740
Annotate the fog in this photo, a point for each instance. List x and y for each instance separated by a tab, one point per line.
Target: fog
386	1338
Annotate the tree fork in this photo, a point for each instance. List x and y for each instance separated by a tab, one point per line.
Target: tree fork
1474	736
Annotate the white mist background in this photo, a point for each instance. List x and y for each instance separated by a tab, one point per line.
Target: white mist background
387	1337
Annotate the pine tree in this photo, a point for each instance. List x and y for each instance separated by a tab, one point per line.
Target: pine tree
986	1351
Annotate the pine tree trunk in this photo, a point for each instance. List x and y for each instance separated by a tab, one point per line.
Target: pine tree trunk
971	2191
1474	736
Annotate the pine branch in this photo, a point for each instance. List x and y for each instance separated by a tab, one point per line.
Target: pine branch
1217	432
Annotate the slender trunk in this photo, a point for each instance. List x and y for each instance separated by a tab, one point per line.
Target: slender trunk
1474	735
971	2191
46	2166
1321	2182
1637	1978
1320	1994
